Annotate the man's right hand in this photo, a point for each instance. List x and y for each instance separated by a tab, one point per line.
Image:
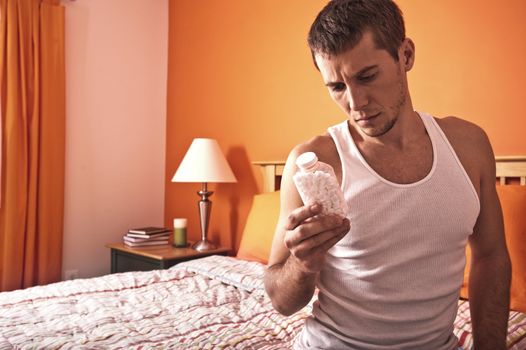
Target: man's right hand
302	237
309	235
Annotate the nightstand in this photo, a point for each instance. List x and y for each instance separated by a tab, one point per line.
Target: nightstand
124	258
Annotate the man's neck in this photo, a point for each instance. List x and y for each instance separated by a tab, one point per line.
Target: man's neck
407	128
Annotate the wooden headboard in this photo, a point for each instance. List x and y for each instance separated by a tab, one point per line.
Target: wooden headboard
509	169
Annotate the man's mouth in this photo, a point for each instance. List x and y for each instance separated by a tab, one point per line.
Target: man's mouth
368	118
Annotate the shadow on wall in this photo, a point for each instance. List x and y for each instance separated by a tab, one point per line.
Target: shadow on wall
234	194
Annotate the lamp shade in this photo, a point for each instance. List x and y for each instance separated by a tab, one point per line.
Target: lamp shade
204	162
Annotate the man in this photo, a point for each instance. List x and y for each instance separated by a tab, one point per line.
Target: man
418	188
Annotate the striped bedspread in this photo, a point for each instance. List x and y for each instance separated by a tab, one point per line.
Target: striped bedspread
211	303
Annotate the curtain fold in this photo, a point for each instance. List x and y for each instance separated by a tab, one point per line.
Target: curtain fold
32	91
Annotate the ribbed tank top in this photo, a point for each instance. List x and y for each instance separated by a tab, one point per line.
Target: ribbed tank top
393	281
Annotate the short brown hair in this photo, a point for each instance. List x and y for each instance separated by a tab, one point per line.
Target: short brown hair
341	24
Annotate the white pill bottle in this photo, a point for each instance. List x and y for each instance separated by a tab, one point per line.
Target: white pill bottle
317	183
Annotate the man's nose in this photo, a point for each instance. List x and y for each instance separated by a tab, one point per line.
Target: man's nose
358	98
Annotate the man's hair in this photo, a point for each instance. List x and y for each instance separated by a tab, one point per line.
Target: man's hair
342	23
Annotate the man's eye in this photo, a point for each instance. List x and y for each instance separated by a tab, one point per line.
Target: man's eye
338	87
367	78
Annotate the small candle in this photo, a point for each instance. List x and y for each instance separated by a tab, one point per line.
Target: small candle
180	232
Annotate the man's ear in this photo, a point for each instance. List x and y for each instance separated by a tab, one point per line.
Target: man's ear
406	54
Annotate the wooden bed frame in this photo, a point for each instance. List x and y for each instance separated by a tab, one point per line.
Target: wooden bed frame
509	169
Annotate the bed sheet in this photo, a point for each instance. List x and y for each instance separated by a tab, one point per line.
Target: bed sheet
215	302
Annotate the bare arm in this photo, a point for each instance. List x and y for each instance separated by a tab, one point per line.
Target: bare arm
301	241
489	281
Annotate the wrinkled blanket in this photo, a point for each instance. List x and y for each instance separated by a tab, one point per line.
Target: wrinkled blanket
214	302
210	303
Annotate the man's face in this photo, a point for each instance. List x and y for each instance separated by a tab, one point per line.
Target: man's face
368	84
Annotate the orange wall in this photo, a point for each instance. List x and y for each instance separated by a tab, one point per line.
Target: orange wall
240	71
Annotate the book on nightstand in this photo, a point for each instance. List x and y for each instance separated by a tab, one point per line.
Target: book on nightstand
147	236
127	238
148	230
153	235
147	243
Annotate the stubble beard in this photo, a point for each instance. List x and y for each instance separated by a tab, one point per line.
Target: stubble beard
394	110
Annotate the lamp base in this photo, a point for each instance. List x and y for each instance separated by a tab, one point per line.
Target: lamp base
204	246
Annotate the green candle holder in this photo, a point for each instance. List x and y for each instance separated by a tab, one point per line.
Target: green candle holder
179	239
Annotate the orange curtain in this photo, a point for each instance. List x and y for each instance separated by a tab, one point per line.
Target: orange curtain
32	90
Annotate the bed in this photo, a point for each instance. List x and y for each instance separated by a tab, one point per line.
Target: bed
215	302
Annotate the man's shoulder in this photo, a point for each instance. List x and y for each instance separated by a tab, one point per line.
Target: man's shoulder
469	141
323	146
456	125
462	133
317	144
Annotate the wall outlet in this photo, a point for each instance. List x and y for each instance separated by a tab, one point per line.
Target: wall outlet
71	274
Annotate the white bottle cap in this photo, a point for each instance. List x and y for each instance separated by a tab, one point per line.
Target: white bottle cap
306	160
180	223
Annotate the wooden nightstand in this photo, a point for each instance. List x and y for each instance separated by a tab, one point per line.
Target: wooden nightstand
124	258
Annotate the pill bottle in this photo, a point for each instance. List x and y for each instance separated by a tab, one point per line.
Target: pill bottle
317	183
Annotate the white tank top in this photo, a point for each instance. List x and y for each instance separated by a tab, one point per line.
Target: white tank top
393	281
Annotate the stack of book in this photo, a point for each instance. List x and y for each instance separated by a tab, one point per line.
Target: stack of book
147	236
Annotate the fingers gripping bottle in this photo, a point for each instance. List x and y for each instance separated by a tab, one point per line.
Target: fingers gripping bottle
317	183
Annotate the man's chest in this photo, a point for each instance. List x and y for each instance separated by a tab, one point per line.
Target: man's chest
402	167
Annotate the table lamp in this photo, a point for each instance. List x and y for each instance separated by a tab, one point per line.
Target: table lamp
204	162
